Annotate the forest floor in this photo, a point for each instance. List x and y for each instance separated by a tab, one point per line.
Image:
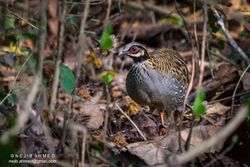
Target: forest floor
62	83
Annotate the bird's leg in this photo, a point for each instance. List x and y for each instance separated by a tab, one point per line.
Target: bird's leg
162	118
162	130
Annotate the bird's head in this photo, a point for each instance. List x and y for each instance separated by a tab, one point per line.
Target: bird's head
134	50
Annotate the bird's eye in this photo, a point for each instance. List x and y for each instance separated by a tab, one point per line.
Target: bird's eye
134	49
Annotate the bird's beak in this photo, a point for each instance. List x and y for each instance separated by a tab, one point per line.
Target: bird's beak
123	53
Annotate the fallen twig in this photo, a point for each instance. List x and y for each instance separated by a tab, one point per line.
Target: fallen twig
132	122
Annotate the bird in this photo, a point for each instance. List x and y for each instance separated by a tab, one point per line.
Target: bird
157	78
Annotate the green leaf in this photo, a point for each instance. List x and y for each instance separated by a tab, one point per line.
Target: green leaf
72	21
198	107
108	77
9	22
176	21
67	79
106	41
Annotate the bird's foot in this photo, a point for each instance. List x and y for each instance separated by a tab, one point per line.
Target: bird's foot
162	130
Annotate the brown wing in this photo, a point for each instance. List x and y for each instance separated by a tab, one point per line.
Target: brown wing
169	61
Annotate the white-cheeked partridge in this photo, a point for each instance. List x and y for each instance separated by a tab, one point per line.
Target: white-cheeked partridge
157	79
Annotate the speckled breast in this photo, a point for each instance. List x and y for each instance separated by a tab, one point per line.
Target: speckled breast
149	87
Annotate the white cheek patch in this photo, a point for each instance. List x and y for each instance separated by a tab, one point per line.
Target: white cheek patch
139	54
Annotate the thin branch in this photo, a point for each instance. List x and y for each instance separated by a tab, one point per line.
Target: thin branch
81	40
14	82
195	27
108	10
220	136
236	87
204	38
82	44
187	144
229	97
43	32
65	124
132	122
84	139
24	20
75	128
106	116
62	13
191	81
230	38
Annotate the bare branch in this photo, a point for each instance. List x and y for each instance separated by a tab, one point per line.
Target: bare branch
230	38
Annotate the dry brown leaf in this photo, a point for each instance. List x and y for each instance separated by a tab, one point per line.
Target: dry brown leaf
225	74
148	152
156	151
202	133
132	107
63	98
84	93
48	70
95	113
146	124
120	140
116	91
94	60
217	108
